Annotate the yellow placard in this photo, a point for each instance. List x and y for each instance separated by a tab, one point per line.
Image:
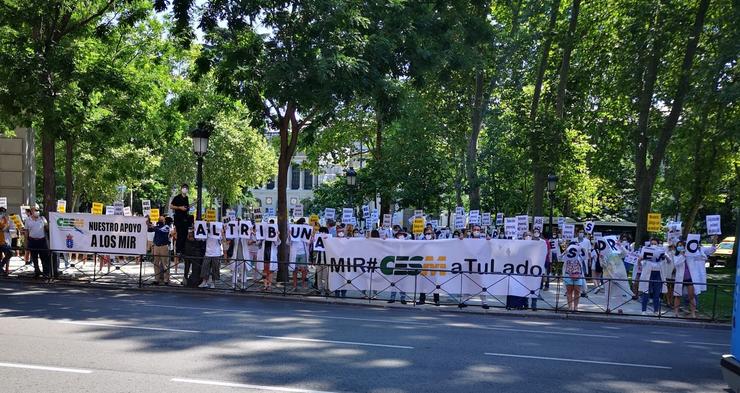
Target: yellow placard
313	219
17	221
418	226
653	222
97	208
153	215
210	214
61	206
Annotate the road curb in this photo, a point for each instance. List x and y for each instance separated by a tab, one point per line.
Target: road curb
495	311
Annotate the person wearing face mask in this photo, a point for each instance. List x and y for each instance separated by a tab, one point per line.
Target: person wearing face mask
637	271
36	242
161	252
476	234
342	235
398	236
428	235
180	206
652	279
5	249
669	272
585	256
536	236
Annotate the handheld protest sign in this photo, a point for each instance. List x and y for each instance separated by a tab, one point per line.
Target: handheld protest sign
653	222
588	227
231	229
460	211
365	211
97	208
510	227
522	225
154	215
4	202
200	230
459	221
298	210
267	231
348	214
538	223
569	231
713	225
313	219
474	217
61	206
245	227
387	220
561	223
418	225
118	208
300	233
486	219
215	228
318	244
127	211
210	215
111	210
329	213
693	244
17	221
499	219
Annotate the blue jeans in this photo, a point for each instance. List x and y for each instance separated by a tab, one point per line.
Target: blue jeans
654	289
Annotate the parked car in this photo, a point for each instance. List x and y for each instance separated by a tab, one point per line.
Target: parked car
723	252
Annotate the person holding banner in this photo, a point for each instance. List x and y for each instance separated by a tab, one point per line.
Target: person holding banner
269	262
652	280
692	273
211	269
322	270
398	236
298	258
476	234
428	235
572	275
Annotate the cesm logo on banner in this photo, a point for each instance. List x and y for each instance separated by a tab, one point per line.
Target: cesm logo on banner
97	233
498	267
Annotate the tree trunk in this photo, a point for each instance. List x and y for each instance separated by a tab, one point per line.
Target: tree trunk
565	65
289	128
68	175
385	200
649	174
538	170
471	162
48	151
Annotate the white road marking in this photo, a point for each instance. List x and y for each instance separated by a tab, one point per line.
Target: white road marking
45	368
701	343
369	320
85	323
543	331
246	386
578	360
315	340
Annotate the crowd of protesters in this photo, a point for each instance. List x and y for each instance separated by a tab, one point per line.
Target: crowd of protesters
663	281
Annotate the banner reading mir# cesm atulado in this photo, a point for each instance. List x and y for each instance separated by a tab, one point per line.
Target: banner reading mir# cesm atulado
457	266
97	233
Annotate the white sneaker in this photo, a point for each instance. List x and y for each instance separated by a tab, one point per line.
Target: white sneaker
203	285
211	285
644	313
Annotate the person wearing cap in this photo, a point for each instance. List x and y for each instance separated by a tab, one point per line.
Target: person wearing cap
5	249
35	234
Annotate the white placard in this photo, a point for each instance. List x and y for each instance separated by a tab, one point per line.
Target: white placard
499	219
387	219
474	217
365	211
486	219
146	207
459	221
298	210
510	227
714	226
118	208
588	227
561	222
329	213
522	225
61	206
460	211
110	210
127	211
267	231
231	229
4	202
86	232
348	214
418	213
538	223
300	233
693	244
569	231
215	228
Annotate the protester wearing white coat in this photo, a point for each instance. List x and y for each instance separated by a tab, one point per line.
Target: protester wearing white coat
691	272
263	265
653	282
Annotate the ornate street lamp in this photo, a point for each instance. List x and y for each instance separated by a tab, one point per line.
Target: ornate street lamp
200	135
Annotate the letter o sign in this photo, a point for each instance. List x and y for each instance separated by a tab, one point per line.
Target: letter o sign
692	246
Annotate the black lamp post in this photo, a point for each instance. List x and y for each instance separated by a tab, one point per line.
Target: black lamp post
200	135
552	183
351	176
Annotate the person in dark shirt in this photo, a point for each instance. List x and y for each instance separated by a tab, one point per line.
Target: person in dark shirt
180	205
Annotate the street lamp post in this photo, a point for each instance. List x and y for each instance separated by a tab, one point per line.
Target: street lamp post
552	183
351	176
200	135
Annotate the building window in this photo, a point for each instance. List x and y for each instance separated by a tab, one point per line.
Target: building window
295	178
307	180
268	201
271	184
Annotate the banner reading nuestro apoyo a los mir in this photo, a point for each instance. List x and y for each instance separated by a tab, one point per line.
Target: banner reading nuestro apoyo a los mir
97	233
457	266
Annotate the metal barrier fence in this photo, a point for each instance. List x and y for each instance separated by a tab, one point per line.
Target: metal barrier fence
606	296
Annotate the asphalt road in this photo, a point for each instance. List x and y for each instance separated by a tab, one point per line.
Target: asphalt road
65	339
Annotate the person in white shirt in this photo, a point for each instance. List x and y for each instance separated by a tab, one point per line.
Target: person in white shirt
477	234
7	252
299	259
36	243
585	256
211	269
